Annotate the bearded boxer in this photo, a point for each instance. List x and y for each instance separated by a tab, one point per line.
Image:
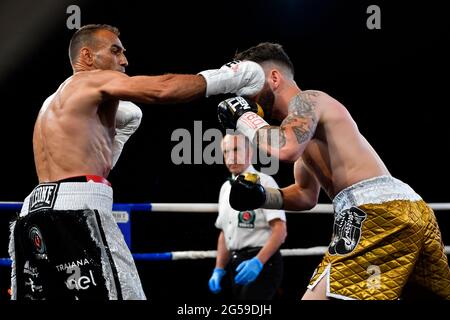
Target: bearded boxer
65	243
384	234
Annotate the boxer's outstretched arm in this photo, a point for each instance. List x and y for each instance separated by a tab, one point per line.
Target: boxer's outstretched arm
304	193
169	88
240	77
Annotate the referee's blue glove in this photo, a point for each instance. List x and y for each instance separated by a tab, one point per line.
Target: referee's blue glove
248	271
214	281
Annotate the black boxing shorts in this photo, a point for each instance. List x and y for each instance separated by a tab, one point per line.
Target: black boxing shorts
66	245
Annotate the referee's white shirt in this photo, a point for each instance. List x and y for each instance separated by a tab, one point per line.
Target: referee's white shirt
246	228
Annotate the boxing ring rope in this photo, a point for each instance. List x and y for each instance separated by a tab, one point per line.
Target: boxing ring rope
201	207
121	213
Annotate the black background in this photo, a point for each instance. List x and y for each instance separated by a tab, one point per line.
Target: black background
394	81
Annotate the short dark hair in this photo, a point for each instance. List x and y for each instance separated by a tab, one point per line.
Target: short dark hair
266	51
85	36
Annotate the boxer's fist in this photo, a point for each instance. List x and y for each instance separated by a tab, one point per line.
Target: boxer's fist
230	110
247	193
244	78
128	117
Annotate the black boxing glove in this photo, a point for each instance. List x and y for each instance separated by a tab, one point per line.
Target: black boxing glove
247	193
230	110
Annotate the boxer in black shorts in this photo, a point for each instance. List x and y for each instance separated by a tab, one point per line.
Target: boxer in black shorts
65	243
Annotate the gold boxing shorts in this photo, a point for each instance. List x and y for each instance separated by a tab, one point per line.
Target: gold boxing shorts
384	235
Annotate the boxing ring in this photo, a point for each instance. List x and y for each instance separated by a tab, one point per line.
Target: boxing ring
123	213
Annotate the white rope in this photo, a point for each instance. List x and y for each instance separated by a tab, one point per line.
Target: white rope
440	206
319	208
212	207
184	207
189	255
313	251
208	254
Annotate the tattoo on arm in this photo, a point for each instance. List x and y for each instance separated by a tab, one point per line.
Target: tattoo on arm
302	118
271	136
301	135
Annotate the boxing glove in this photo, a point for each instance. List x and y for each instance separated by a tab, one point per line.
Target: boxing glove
230	110
244	78
242	114
247	193
128	119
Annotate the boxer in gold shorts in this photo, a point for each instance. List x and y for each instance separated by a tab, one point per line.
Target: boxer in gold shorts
384	234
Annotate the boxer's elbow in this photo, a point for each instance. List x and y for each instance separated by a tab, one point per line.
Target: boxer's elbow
299	199
302	204
309	203
310	197
290	153
306	203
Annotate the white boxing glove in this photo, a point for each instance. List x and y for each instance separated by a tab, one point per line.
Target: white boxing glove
128	119
244	78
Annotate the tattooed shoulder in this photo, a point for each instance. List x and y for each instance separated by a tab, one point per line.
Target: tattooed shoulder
302	118
304	104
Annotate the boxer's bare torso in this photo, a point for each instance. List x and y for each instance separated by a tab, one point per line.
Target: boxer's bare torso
74	131
338	154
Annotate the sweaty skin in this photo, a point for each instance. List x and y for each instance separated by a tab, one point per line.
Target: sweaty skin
319	134
320	137
74	131
338	155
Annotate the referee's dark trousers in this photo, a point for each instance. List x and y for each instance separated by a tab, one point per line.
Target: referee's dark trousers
267	282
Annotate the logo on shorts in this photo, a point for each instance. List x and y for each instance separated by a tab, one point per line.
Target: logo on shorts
346	231
36	240
246	219
31	281
77	281
30	270
43	197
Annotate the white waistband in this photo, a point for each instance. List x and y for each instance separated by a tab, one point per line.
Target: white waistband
375	190
78	196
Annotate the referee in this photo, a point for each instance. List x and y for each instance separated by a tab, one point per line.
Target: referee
249	241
